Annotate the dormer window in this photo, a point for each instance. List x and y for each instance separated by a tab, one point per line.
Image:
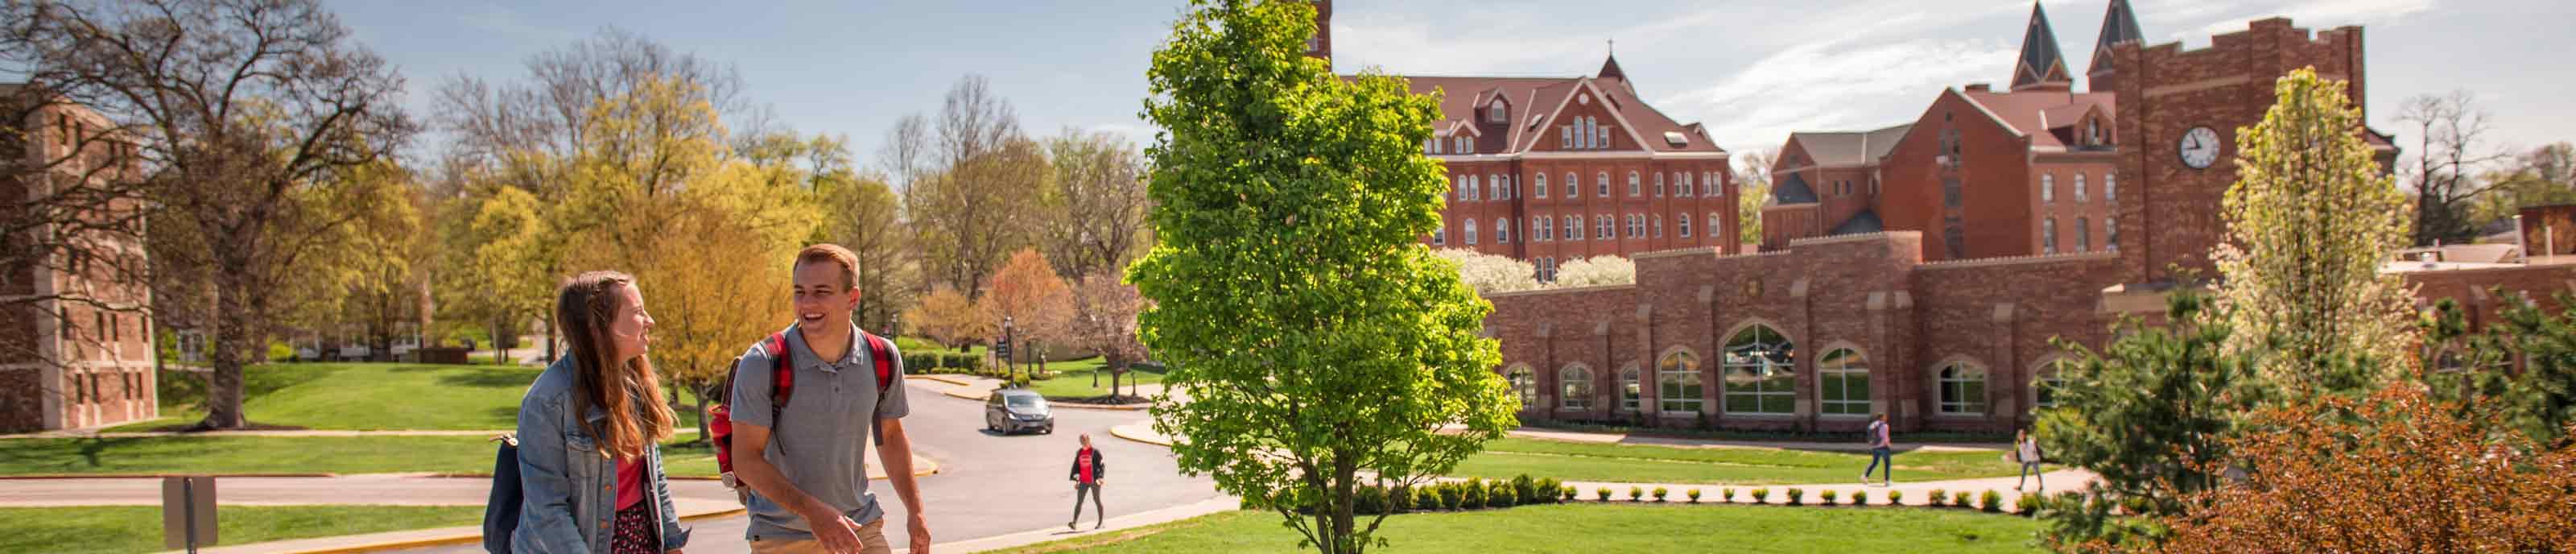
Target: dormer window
1498	112
2093	132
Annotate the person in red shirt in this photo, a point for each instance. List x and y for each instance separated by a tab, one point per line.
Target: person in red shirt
1087	471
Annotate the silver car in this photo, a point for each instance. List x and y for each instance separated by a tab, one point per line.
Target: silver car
1014	410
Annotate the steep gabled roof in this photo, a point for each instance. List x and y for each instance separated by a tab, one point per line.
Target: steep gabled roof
1864	222
1610	69
2034	113
2119	25
1849	148
2040	64
1793	190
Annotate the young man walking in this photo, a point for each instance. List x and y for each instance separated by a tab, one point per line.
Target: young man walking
806	461
1086	476
1880	451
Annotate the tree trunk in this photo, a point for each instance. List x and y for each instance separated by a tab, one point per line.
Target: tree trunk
224	385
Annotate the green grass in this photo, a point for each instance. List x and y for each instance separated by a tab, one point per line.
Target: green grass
119	529
344	455
1606	529
1573	461
1073	379
373	396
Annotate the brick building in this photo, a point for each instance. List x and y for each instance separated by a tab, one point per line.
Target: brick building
75	348
1944	312
1552	169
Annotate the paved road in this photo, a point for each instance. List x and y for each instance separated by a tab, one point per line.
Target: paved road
991	485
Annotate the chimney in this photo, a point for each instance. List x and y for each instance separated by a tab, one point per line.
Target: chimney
1980	87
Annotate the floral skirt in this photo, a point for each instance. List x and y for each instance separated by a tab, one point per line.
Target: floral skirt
635	532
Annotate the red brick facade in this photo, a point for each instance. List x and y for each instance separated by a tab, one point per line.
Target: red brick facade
68	363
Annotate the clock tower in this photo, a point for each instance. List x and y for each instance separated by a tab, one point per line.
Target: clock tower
2183	108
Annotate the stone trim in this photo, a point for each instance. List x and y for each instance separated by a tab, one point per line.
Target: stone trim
2104	255
1569	290
1860	237
1685	251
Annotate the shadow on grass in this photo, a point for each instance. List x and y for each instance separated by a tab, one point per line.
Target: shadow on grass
482	377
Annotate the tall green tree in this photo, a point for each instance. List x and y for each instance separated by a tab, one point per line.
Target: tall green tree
2310	220
2151	413
1288	281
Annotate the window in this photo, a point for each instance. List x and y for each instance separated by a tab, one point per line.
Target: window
2093	133
1761	372
1440	236
1546	228
1495	113
1683	179
2110	187
1583	132
1659	225
1954	237
1574	388
1950	192
1604	139
1630	394
1439	145
1502	230
1500	190
1712	228
2110	230
1565	137
2083	236
1540	184
1475	189
1677	383
1842	382
2043	387
1636	226
1963	389
1547	270
1573	227
1458	185
1601	180
1634	189
1471	232
1601	227
1683	220
1466	145
1524	386
1659	185
1573	186
2079	187
2048	236
2048	187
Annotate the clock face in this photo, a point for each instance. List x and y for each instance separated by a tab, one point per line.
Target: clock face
2199	147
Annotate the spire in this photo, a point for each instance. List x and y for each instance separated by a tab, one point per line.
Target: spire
2040	65
2119	25
1610	67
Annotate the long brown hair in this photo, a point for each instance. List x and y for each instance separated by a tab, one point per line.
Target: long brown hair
584	309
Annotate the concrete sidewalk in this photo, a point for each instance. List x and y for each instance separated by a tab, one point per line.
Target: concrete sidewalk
1114	525
977	388
392	489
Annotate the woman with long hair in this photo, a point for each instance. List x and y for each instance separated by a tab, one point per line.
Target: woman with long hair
588	430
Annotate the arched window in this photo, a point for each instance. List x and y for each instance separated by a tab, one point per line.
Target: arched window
1842	382
2048	235
2048	187
1583	132
1573	186
1685	190
1539	184
1524	385
1471	231
1684	220
1573	227
2079	188
1963	389
1574	389
1496	114
1630	394
1502	230
1440	236
1761	372
1677	383
1659	225
1603	179
1659	185
1546	228
1634	188
2083	236
1475	188
1708	184
2110	187
2043	387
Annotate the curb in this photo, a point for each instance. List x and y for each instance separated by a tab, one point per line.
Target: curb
45	476
1143	433
921	467
457	539
946	379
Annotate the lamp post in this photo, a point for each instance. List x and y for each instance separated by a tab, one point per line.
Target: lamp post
1010	372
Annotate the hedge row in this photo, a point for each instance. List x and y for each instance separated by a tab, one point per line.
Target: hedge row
1449	495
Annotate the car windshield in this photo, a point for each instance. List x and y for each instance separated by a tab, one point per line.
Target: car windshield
1031	401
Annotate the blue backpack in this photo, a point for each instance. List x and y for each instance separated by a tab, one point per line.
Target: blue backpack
501	513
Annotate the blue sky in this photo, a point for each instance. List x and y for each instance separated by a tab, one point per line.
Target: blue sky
1753	70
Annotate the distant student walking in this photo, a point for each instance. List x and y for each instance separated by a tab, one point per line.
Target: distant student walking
2026	451
1087	472
1881	451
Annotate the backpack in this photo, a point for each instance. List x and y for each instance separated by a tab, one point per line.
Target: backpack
501	512
782	387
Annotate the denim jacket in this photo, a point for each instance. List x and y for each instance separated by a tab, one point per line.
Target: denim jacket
571	489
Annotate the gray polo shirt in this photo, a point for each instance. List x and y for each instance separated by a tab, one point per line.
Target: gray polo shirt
821	444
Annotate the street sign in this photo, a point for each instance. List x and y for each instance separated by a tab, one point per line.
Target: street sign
187	512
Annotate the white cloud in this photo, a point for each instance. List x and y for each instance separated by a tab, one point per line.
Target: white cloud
1817	88
2317	14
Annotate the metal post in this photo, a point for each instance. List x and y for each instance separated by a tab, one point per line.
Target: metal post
188	505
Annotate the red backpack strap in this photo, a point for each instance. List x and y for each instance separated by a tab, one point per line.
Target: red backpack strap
882	353
782	376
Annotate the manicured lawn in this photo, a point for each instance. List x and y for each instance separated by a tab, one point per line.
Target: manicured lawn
372	396
344	455
1572	461
1073	379
120	529
1603	528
